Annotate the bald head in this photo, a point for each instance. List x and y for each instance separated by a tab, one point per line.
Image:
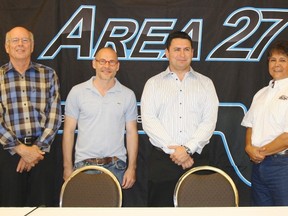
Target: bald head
106	50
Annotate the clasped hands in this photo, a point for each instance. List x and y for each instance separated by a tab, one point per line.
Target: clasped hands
180	157
30	156
256	154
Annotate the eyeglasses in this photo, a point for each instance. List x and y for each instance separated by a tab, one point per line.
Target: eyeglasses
16	40
103	62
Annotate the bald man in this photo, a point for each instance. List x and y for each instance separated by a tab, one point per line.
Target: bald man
102	109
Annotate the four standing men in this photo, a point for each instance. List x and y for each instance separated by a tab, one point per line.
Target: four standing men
179	112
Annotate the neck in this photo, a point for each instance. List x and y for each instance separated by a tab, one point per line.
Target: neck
20	66
180	72
181	75
103	85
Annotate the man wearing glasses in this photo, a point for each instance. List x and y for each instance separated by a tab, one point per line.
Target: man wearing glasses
30	115
102	109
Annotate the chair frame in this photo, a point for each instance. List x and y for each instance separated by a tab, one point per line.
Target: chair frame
205	168
96	168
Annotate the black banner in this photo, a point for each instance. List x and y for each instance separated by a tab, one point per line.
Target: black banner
230	42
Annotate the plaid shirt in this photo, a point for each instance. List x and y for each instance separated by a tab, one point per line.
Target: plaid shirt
29	105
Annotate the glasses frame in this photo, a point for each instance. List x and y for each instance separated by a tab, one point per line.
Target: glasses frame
16	40
104	61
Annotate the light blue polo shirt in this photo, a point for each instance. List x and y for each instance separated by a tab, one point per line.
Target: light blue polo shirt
101	119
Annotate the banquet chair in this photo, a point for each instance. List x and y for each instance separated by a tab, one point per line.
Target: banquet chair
91	186
205	186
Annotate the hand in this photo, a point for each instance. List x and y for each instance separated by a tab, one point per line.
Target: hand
22	166
255	154
188	163
30	154
180	155
129	178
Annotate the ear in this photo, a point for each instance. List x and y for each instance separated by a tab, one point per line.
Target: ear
32	47
167	53
118	66
94	63
6	47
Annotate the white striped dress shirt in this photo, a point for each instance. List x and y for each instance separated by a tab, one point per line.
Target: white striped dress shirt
178	112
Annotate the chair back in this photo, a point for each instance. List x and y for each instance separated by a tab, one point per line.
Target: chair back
205	186
91	186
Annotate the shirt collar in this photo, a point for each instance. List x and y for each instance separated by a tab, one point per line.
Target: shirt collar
279	84
10	67
169	73
115	88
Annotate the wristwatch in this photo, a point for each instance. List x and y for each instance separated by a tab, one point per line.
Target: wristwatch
188	151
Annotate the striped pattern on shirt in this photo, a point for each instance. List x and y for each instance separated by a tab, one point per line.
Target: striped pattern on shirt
178	112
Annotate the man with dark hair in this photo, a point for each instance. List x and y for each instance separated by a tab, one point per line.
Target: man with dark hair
267	133
179	110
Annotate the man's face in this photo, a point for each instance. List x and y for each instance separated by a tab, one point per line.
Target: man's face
19	44
106	64
180	54
278	66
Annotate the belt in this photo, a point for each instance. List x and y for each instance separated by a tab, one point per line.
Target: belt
283	153
158	149
101	161
280	154
28	140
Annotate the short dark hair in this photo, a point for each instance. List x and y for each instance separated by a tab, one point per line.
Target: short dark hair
280	47
177	34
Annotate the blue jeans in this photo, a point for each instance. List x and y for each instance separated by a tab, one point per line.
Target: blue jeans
118	168
270	181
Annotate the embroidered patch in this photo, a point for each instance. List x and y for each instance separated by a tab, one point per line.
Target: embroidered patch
283	97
